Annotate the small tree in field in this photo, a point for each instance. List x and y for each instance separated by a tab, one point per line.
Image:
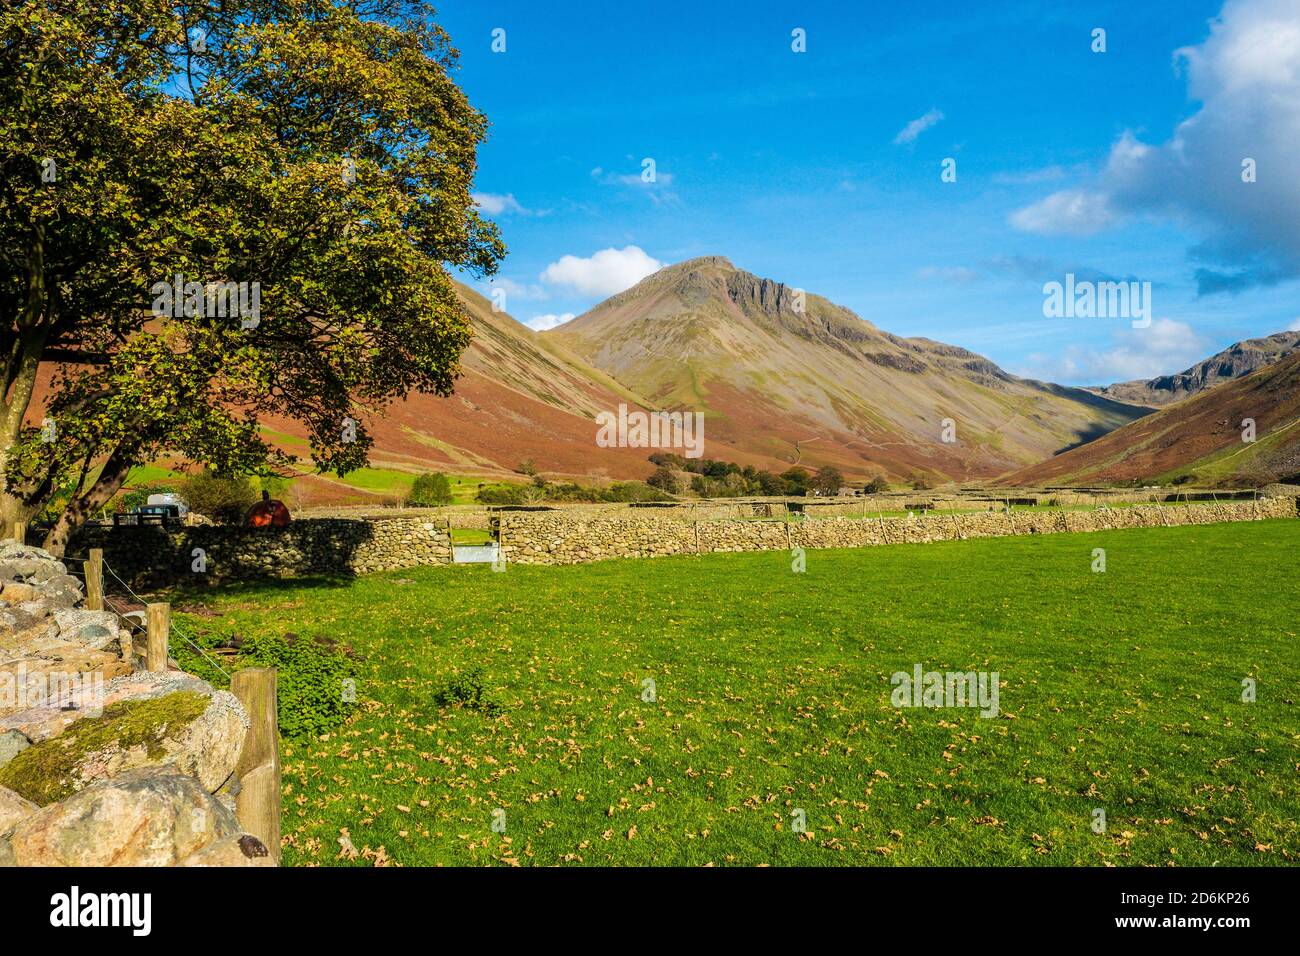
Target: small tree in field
827	481
431	490
222	498
665	479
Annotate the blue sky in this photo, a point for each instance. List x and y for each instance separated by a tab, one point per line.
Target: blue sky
822	169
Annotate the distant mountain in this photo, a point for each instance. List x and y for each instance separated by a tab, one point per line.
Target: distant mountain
1200	438
819	385
1233	362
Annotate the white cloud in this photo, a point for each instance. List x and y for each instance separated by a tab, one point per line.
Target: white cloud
543	322
1246	77
1163	348
912	130
494	204
1294	326
1070	212
607	272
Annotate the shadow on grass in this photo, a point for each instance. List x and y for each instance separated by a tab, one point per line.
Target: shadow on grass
199	593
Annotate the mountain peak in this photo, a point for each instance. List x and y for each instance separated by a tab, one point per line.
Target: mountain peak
701	262
694	282
1237	360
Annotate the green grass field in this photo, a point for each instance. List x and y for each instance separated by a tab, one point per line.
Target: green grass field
1119	690
389	481
142	475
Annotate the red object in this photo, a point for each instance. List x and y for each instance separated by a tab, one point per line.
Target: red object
267	513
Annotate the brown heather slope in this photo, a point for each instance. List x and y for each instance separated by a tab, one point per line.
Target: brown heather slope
520	396
824	386
1200	437
1236	360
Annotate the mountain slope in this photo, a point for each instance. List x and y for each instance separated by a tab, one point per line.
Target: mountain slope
520	396
1236	360
823	386
1200	437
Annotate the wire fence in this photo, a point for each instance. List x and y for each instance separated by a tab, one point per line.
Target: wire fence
117	607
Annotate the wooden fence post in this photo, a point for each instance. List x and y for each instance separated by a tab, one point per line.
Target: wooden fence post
20	530
258	804
95	580
159	628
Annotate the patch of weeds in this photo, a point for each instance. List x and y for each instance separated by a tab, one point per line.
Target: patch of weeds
316	677
466	690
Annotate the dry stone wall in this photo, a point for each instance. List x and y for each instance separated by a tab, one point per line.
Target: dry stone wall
153	557
553	539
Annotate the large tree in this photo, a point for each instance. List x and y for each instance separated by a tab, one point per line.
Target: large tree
315	156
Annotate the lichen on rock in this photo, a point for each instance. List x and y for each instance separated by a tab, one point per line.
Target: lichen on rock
129	734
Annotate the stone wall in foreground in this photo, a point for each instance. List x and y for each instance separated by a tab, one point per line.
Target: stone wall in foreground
104	762
153	557
552	539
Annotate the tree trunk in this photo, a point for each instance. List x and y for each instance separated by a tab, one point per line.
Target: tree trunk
22	360
80	508
12	508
